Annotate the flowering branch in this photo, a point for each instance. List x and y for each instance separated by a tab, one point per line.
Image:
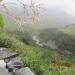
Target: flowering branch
31	12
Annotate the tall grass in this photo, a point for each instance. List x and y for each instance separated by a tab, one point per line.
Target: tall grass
41	61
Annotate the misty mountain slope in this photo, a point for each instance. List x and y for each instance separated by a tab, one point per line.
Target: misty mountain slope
10	24
63	41
52	18
42	61
69	29
58	17
1	22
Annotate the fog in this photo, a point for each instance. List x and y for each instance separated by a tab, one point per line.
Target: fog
58	12
67	5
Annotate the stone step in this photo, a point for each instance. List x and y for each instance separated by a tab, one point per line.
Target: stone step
24	71
13	64
4	71
6	54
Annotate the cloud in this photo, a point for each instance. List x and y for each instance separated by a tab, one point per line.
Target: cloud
67	5
49	3
58	3
71	9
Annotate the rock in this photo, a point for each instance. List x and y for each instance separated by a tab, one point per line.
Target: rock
4	71
2	64
16	59
24	71
6	60
14	64
5	54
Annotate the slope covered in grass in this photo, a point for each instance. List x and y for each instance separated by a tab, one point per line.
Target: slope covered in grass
42	61
70	29
57	38
1	22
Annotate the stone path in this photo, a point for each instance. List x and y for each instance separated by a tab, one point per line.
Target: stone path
5	54
14	64
4	71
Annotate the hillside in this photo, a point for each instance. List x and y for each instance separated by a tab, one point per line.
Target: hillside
1	22
43	35
9	23
51	18
69	29
56	17
57	38
41	60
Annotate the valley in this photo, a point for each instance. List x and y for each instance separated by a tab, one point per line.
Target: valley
47	44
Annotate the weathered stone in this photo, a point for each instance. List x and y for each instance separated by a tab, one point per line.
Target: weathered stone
2	64
16	59
4	71
7	60
14	63
4	53
24	71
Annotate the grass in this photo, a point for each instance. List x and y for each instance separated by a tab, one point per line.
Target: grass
41	61
10	24
1	22
69	30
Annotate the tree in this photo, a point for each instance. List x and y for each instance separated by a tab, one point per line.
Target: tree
31	11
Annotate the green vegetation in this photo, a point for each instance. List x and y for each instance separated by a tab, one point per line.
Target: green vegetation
63	41
0	0
1	22
10	24
42	61
4	41
70	29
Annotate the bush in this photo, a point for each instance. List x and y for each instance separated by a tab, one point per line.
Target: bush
25	37
4	41
1	23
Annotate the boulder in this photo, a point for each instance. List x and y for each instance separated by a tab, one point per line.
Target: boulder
24	71
5	54
15	63
2	64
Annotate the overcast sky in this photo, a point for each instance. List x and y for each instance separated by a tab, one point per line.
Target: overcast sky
67	5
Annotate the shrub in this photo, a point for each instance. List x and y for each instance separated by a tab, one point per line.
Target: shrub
4	40
1	22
